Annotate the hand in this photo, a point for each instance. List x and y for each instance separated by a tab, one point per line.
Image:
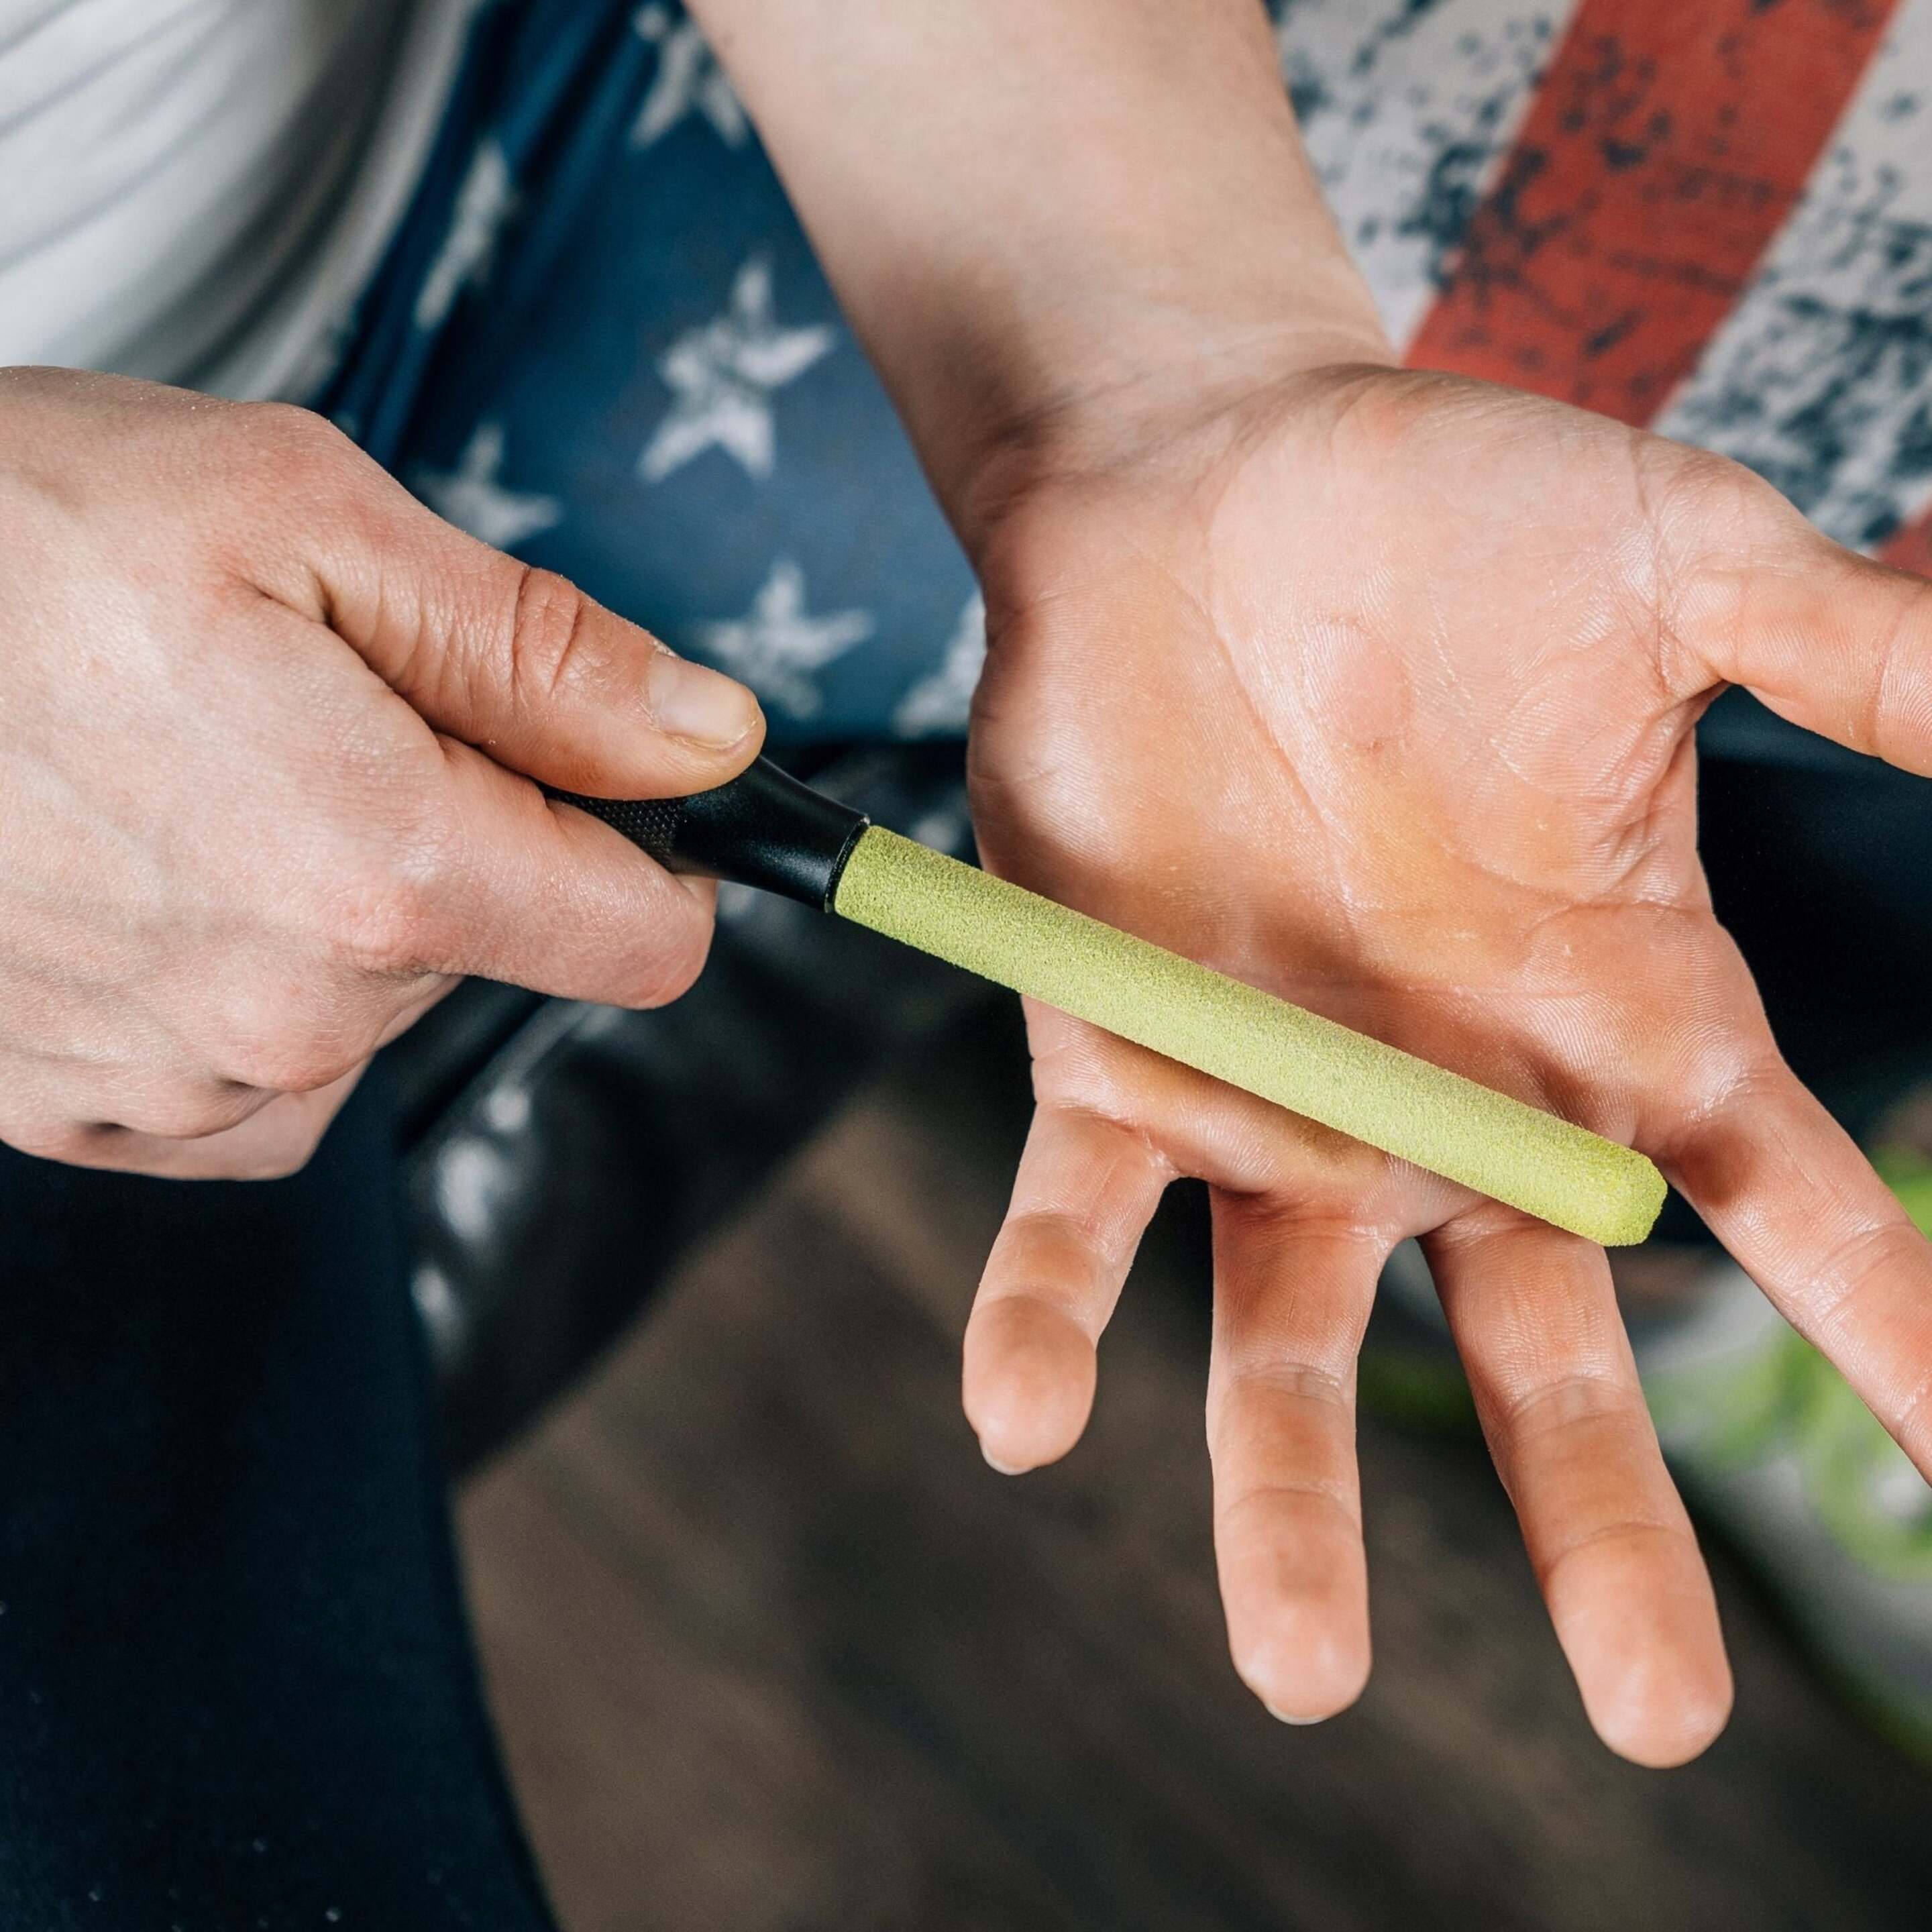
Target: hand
261	727
1378	689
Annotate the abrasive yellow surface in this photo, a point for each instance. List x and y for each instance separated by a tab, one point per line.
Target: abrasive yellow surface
1410	1108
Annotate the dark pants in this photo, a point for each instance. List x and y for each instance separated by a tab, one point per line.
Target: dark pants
235	1687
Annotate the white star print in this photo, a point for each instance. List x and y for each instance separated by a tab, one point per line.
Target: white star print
470	497
722	376
486	200
688	76
775	646
942	700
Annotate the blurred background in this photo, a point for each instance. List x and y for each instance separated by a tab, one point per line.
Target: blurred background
771	1647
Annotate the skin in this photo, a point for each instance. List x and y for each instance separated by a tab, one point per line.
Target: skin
1375	689
261	756
1427	765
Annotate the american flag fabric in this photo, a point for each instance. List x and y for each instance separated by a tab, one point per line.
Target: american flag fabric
601	340
1709	217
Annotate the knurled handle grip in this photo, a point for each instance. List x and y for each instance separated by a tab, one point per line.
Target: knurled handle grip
763	828
651	824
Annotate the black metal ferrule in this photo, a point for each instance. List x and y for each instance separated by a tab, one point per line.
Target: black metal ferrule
764	828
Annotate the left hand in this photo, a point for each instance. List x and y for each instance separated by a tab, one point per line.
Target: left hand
1378	689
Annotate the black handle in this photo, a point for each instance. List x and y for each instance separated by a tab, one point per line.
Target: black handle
763	829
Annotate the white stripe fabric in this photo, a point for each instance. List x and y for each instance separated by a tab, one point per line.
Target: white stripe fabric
1407	112
173	173
1821	377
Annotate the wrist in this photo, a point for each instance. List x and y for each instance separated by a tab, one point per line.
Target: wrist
1047	222
1174	390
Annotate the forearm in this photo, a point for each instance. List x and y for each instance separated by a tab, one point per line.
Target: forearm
1034	210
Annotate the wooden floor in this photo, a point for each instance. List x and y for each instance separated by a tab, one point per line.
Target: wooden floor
771	1648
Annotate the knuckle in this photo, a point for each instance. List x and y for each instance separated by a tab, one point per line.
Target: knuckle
279	1042
277	454
298	1063
1896	702
191	1112
384	926
1578	1400
389	920
286	432
1725	1082
1872	1255
547	633
262	1061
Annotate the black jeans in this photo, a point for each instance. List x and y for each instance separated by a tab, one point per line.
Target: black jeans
236	1686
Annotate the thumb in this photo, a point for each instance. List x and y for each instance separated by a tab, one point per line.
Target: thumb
522	664
1840	645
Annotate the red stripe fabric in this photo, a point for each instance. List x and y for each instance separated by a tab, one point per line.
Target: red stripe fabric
1662	154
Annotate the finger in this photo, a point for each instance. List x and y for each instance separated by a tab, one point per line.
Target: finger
200	1110
516	661
263	1040
1536	1321
274	1140
1786	1189
1836	643
539	895
1081	1199
1291	1301
224	1129
1227	1137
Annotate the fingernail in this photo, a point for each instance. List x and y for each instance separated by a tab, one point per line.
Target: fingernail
689	701
1003	1468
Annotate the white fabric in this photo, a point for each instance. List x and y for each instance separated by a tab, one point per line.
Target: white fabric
196	190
